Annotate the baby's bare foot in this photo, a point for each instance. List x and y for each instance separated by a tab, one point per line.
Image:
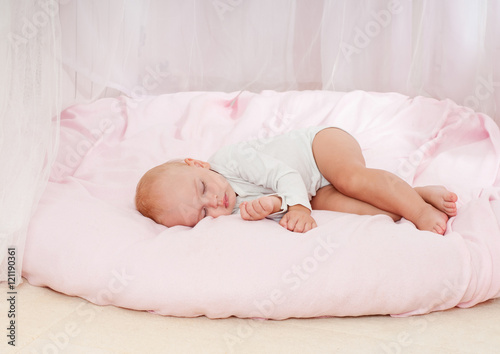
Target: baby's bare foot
440	198
431	219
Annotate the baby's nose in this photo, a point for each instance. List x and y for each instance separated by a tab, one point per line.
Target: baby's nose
215	202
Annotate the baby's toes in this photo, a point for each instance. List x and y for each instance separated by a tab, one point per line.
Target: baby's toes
450	208
441	224
450	197
438	229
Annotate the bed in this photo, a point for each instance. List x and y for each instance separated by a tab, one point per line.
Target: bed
86	239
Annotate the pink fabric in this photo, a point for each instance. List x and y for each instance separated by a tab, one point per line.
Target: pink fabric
87	239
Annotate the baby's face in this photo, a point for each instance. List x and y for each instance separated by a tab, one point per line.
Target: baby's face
193	192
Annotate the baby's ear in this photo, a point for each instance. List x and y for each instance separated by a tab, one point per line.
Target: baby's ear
196	163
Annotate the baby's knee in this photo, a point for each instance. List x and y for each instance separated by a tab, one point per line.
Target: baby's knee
349	182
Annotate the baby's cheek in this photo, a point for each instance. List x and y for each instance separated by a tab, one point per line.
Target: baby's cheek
223	212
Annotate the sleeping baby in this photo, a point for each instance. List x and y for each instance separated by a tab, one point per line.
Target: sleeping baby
284	178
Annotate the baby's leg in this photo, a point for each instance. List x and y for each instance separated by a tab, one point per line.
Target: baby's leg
340	160
328	198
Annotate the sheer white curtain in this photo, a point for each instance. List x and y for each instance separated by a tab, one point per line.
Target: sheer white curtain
29	108
441	49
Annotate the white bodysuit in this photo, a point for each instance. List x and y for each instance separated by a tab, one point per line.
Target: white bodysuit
283	165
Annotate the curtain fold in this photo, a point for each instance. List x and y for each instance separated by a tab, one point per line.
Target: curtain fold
30	103
441	49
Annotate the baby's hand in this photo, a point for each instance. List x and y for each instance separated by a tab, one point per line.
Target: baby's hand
258	209
298	219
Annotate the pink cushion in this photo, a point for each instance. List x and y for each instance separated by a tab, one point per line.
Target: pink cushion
86	238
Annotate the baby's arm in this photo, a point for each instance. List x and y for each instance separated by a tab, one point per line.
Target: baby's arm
260	208
298	218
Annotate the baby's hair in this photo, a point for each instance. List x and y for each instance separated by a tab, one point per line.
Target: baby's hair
145	200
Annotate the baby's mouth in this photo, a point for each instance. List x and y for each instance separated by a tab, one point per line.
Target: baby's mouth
225	200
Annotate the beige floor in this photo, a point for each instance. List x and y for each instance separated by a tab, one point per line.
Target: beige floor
49	322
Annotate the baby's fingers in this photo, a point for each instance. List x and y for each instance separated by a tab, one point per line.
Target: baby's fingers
303	227
258	209
309	226
243	211
284	221
251	211
288	222
297	224
266	204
